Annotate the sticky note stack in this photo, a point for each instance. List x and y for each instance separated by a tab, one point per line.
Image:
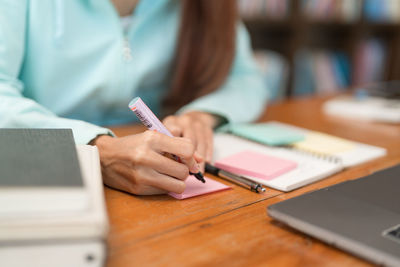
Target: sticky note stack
267	133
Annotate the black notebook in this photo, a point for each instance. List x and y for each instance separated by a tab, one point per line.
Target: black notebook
39	171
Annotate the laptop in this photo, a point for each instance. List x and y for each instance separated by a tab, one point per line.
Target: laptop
360	216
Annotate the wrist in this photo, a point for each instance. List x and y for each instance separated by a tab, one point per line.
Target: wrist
207	118
100	140
105	147
218	120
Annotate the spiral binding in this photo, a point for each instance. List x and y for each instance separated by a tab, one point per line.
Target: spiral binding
327	157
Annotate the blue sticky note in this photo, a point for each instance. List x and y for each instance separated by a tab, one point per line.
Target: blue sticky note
268	134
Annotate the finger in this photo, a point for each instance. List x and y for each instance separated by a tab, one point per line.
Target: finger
201	143
192	164
146	190
121	180
210	144
172	125
202	167
198	157
163	164
190	133
162	181
201	139
181	147
148	182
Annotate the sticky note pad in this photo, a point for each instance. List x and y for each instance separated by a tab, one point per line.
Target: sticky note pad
268	134
255	164
324	144
195	188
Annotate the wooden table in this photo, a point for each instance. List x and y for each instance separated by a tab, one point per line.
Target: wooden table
231	227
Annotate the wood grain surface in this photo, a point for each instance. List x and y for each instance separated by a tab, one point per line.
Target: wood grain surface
231	228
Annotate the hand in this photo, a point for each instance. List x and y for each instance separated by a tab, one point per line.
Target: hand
196	126
139	164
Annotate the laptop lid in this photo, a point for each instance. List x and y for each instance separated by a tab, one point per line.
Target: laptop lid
360	216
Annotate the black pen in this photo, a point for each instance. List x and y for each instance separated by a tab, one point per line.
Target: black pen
199	176
240	180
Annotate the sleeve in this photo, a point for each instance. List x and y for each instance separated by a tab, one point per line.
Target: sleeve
17	111
243	96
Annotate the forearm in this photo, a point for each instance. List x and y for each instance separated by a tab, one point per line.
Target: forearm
19	112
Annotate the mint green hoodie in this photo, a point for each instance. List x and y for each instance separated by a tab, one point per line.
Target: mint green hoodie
69	64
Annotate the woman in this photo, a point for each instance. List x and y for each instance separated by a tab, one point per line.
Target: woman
77	64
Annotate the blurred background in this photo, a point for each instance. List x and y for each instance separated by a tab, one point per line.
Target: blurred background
308	47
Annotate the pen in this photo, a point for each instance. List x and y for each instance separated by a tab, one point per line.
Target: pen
240	180
147	117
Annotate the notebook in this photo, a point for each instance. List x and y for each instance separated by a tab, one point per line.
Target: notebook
266	133
196	188
255	164
310	167
348	152
40	172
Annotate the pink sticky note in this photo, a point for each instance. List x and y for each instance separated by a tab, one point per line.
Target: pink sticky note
254	164
195	188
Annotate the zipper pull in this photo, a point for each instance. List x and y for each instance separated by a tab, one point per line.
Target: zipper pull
126	50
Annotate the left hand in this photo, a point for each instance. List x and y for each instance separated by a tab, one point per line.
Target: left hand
198	127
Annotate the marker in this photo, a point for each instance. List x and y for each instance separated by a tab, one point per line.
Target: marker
147	117
240	180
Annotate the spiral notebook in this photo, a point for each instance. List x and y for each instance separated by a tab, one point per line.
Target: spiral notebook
348	152
309	167
317	155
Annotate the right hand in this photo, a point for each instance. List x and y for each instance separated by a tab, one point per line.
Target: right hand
139	164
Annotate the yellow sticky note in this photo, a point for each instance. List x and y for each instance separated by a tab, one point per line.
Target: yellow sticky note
324	144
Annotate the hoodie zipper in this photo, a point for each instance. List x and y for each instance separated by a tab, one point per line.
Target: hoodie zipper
126	49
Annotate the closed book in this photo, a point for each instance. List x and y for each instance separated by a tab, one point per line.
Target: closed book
63	226
71	238
39	173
